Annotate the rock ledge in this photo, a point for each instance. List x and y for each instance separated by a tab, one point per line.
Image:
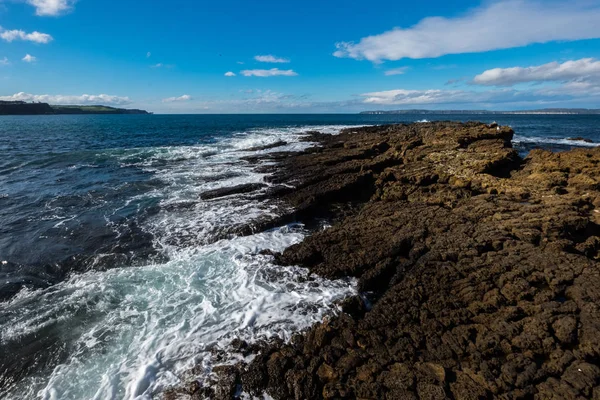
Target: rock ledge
481	267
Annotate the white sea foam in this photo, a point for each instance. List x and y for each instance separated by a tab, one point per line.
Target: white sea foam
143	328
188	171
133	331
422	121
552	141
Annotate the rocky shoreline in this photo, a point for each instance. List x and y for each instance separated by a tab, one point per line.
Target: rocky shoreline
479	270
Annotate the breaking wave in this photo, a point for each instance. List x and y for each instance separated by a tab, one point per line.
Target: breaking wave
128	332
533	140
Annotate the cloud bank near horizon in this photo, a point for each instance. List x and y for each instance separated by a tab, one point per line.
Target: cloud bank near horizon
568	82
84	99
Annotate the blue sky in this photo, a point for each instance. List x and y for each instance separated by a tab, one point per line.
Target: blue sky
267	56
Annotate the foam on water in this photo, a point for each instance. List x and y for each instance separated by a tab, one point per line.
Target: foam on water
552	141
129	332
191	170
135	330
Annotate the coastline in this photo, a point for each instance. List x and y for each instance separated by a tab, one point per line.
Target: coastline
479	269
23	108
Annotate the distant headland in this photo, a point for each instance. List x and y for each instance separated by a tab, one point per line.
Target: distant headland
552	111
24	108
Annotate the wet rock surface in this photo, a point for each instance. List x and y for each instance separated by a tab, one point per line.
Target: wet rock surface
229	191
481	269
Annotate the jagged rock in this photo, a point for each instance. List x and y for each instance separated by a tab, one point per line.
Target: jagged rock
228	191
481	267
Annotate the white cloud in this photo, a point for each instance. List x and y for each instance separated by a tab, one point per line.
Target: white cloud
570	92
29	58
100	99
404	97
51	7
263	73
271	59
148	55
4	61
576	89
395	71
569	70
495	25
161	65
267	101
247	101
36	37
185	97
229	73
409	97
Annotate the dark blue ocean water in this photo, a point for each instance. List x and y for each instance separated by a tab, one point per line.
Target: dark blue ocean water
110	275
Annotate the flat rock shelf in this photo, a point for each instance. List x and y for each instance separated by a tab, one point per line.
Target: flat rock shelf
479	270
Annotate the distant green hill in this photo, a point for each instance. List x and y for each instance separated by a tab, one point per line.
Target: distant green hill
95	110
23	108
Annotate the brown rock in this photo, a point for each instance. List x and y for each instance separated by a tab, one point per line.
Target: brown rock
583	377
565	329
326	373
430	391
481	268
435	370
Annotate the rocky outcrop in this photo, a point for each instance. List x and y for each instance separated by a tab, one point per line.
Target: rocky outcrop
480	269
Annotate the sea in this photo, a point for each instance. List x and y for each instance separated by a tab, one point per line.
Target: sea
117	279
